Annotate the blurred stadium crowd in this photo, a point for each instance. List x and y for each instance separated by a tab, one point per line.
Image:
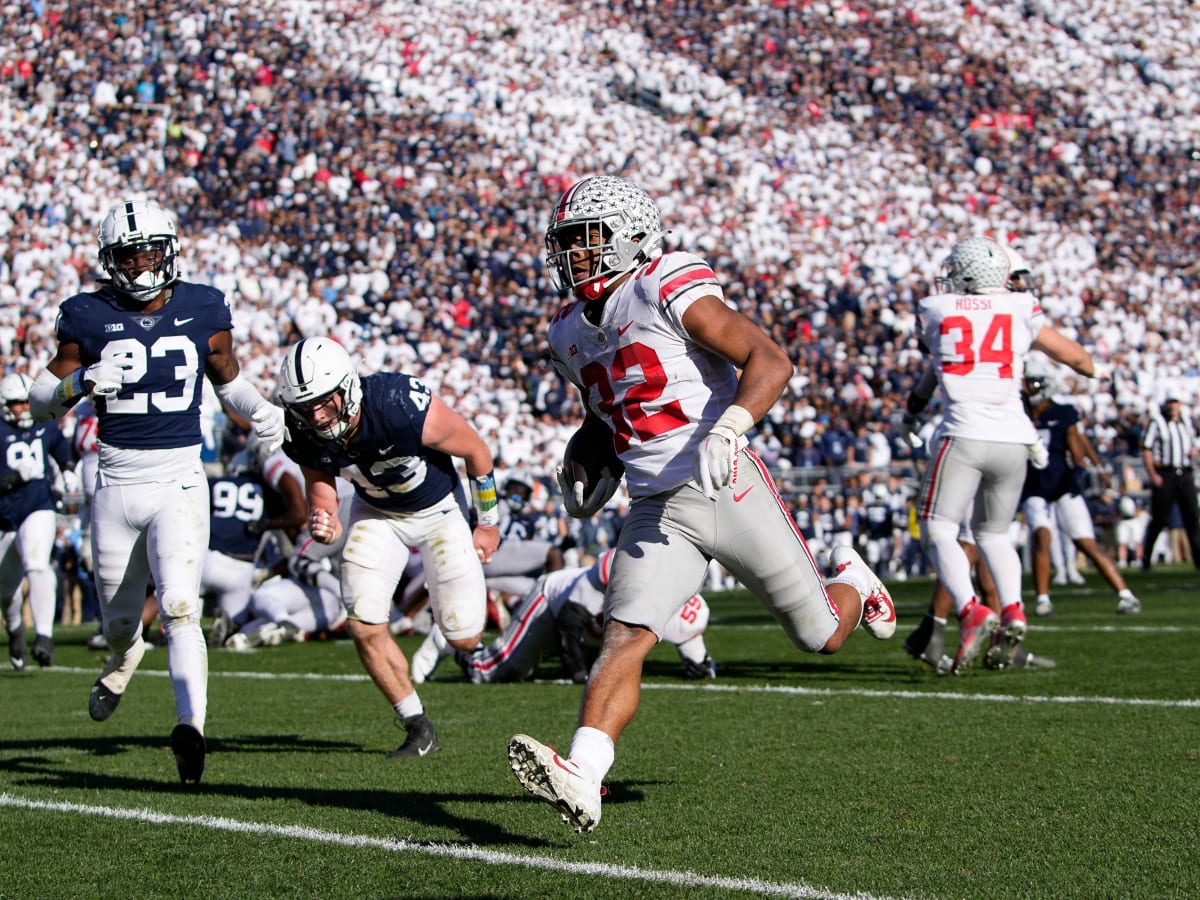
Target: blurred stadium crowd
381	172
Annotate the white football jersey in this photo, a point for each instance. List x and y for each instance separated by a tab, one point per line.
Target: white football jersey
978	343
639	371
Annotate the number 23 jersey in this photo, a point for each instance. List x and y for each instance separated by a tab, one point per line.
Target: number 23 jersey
979	343
641	372
159	405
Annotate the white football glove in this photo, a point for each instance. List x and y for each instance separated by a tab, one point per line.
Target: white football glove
1039	456
909	433
108	375
713	466
268	426
578	506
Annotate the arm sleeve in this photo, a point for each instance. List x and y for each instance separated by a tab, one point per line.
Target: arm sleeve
240	397
44	401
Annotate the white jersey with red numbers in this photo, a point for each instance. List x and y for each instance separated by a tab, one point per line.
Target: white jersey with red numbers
639	371
979	343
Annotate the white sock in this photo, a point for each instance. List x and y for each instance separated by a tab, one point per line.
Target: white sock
410	706
593	751
1125	594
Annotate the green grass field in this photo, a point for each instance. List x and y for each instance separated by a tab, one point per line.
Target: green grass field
862	774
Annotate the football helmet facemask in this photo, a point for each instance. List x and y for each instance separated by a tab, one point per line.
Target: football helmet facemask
14	389
139	249
607	226
975	265
315	372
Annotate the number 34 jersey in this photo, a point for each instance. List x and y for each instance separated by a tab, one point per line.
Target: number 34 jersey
639	370
979	343
159	405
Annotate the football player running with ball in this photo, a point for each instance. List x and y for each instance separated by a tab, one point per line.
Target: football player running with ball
139	346
648	339
396	442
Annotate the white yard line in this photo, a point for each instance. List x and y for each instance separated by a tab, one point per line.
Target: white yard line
727	688
420	848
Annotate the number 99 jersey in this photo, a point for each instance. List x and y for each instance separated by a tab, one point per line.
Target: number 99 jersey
159	405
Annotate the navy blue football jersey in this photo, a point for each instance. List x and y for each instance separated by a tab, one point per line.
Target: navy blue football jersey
386	462
1056	479
878	516
41	443
234	502
160	407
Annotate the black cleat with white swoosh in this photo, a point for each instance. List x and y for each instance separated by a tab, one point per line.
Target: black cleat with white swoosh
421	741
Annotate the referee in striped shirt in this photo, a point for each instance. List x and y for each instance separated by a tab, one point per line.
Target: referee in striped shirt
1168	448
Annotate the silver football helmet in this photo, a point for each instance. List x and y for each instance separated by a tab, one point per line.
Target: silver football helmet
1039	380
139	249
607	226
975	265
1020	276
14	388
315	371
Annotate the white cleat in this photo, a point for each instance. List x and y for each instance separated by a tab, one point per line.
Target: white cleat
556	781
879	612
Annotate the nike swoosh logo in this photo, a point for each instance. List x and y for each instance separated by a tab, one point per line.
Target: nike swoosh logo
738	498
179	322
386	450
625	329
421	751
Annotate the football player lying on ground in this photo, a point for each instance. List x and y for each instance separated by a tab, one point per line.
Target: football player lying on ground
561	614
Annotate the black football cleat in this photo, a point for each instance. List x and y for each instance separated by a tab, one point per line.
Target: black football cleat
421	741
43	651
102	702
189	748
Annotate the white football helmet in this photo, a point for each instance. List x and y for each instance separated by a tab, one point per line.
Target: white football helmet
610	221
975	265
139	249
1039	381
313	371
1020	276
14	388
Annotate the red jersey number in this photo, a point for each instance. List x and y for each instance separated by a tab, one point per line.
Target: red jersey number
996	346
629	417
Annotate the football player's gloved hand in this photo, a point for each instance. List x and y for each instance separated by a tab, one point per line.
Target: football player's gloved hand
1039	456
108	375
306	570
269	427
10	481
71	484
575	503
256	527
699	671
909	433
713	466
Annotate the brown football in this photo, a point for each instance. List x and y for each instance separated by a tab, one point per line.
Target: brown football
590	455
